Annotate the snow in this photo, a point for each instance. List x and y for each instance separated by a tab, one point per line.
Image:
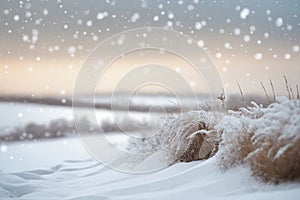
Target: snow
258	56
46	154
244	13
198	25
237	31
3	148
281	151
16	17
279	22
284	117
218	55
156	18
72	174
227	45
135	17
200	43
247	38
287	56
62	168
296	48
18	113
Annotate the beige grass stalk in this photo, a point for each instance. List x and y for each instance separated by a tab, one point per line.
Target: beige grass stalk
242	94
265	91
287	86
273	91
292	93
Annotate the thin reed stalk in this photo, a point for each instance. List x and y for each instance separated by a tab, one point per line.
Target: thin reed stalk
265	91
242	94
287	86
273	90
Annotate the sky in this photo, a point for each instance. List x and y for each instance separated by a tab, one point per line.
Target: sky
44	44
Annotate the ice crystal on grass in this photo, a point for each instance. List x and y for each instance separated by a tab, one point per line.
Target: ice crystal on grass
265	139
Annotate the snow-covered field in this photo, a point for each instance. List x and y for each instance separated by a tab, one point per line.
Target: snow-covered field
62	168
19	113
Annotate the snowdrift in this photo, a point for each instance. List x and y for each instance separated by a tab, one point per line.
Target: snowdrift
241	154
265	139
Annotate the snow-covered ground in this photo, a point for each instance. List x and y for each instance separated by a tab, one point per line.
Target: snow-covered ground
62	169
20	113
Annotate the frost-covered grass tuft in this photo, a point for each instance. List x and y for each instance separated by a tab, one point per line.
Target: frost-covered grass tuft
182	137
265	139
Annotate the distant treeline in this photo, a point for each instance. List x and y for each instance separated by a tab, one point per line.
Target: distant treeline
33	131
62	128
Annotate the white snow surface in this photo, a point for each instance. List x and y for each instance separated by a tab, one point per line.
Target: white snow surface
77	176
62	168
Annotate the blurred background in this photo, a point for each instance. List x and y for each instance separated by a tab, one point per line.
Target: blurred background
43	45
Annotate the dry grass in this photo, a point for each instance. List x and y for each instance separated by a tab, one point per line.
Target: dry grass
184	137
236	156
272	165
273	91
265	139
192	151
287	87
263	156
265	91
242	94
269	143
200	146
235	146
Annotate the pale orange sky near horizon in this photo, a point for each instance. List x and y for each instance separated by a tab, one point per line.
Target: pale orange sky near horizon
59	81
44	44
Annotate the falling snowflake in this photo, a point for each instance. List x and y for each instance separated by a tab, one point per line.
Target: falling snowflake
252	29
287	56
135	17
296	48
171	15
89	23
218	55
247	38
72	50
237	31
6	12
156	18
258	56
227	45
198	25
45	11
3	148
279	22
200	43
244	13
102	15
25	38
266	35
16	17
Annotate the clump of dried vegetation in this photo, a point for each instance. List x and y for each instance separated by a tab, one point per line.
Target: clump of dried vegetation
268	143
265	139
275	160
